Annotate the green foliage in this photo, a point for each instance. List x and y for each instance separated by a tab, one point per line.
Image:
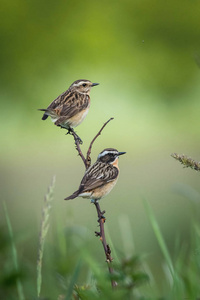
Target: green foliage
129	38
77	274
160	238
138	51
127	274
14	276
185	270
10	279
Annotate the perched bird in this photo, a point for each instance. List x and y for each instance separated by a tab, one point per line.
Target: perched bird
70	108
100	178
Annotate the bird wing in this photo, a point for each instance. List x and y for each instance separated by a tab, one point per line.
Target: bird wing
97	175
74	105
69	104
60	100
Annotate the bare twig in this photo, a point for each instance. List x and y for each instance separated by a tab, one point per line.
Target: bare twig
78	148
101	234
77	140
88	159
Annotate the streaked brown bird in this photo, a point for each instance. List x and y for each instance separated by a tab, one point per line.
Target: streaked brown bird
100	178
70	108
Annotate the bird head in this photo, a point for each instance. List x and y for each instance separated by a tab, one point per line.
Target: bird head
82	86
109	155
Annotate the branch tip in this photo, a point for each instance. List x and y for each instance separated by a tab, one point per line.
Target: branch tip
88	161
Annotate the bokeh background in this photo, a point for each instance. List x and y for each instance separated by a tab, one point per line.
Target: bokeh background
146	57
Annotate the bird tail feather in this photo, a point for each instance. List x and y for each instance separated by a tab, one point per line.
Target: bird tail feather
45	116
74	195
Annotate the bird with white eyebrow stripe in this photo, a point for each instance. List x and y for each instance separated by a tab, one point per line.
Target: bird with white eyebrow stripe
70	108
100	178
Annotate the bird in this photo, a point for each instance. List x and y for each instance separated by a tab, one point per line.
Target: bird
100	178
70	108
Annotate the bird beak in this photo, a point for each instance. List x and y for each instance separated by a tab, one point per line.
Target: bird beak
95	84
121	153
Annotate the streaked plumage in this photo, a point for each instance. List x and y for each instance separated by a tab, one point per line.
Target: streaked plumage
101	177
70	108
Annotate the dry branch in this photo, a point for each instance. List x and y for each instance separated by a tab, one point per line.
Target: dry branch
88	159
101	218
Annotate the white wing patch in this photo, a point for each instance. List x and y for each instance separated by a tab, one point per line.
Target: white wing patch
110	180
54	119
100	176
85	194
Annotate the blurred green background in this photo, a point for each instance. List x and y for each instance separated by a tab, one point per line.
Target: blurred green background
146	56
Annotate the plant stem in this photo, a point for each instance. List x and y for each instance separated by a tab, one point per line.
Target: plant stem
107	250
101	219
44	227
87	160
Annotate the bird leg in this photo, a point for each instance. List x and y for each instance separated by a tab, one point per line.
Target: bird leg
75	135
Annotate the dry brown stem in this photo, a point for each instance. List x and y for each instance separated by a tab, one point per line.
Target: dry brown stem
101	218
77	140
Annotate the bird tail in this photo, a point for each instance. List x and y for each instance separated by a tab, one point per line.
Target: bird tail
45	116
74	195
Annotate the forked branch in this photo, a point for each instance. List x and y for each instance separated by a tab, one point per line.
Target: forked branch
101	219
87	160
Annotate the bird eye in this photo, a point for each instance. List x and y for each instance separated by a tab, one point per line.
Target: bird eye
84	84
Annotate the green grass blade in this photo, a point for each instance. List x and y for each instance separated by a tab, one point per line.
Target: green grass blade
43	233
73	281
14	253
159	237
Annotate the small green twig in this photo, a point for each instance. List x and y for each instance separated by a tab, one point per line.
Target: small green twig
187	161
43	233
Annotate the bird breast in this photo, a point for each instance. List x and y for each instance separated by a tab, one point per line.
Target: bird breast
78	118
104	190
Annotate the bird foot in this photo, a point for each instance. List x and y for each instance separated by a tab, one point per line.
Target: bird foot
75	135
93	201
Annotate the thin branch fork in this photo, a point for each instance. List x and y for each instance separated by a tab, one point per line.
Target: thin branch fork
101	218
87	160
